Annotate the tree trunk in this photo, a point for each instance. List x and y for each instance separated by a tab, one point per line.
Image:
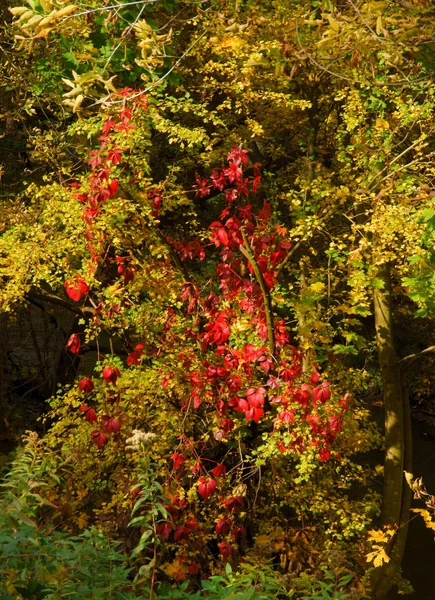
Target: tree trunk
398	456
3	357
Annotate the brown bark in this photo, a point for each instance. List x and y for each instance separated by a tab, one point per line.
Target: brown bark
3	427
393	406
398	442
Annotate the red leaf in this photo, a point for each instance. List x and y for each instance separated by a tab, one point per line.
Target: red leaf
99	438
251	353
231	361
256	183
90	414
222	236
314	377
114	155
287	374
322	393
110	424
303	395
225	550
221	408
264	213
227	425
73	291
237	155
86	385
238	532
194	568
76	289
111	374
135	492
178	459
287	416
336	424
128	275
254	414
324	454
233	503
242	405
219	235
202	186
265	363
281	447
223	527
255	397
218	180
219	470
181	533
192	523
73	343
234	173
165	529
206	487
113	186
134	357
233	383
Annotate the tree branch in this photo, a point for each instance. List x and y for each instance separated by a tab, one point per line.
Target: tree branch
245	250
53	299
411	358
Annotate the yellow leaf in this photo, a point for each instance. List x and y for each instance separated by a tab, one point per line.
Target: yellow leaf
378	557
381	558
430	524
78	102
82	521
317	287
232	42
25	16
379	26
263	540
409	477
18	10
65	11
47	20
377	535
240	489
35	19
333	24
177	569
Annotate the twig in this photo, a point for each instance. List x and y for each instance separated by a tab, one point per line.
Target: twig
160	80
376	82
398	157
391	173
291	253
364	21
88	12
298	244
124	35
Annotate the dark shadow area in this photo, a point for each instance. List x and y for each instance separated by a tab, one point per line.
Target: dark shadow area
419	559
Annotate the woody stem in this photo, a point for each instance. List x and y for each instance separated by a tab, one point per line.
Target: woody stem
246	251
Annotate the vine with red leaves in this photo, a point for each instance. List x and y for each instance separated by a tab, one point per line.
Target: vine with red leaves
242	375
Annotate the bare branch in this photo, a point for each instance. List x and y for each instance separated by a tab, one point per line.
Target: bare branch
160	80
411	358
53	299
364	21
113	6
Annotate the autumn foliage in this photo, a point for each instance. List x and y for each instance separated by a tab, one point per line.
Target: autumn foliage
221	375
207	200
